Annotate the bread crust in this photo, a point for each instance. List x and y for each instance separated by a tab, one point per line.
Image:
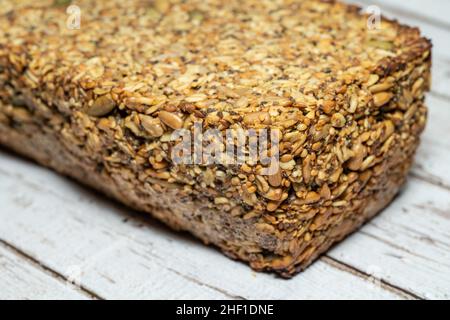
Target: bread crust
350	114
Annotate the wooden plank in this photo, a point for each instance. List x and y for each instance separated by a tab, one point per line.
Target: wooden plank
408	244
20	279
37	225
433	156
441	78
434	152
123	255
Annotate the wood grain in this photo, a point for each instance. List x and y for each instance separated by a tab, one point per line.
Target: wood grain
127	255
408	244
19	279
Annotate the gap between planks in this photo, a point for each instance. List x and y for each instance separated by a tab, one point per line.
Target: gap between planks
224	292
88	292
49	271
391	244
430	180
358	273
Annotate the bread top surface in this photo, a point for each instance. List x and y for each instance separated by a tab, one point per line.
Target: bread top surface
239	56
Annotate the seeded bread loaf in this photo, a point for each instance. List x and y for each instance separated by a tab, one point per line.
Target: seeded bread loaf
96	92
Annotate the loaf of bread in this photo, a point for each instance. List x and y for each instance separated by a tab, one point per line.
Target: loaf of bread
106	92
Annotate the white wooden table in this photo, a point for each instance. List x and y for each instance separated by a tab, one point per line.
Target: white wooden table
61	240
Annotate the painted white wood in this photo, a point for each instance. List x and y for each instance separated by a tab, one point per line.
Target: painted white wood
408	244
19	279
441	77
137	258
53	230
433	157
